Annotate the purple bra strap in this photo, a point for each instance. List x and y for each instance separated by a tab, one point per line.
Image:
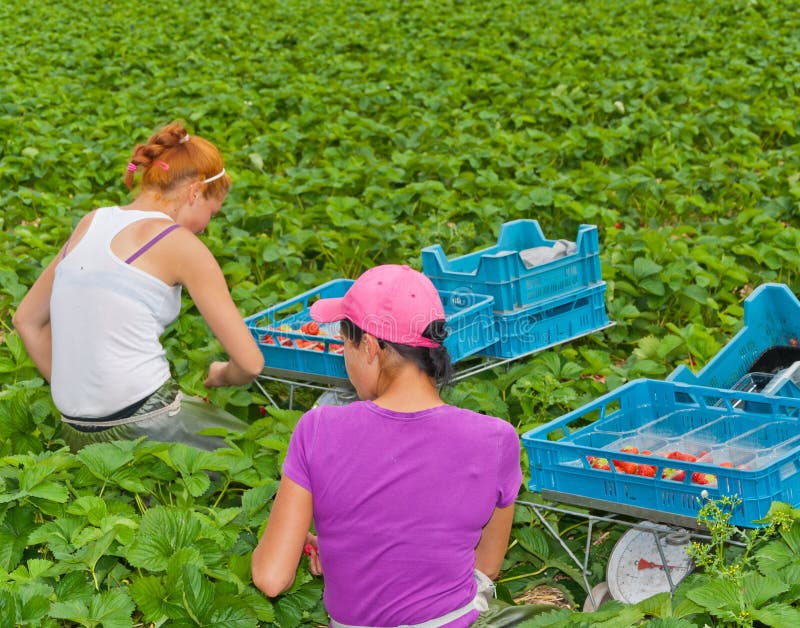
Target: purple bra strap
151	242
64	250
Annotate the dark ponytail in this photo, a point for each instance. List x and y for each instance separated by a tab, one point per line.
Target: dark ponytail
434	362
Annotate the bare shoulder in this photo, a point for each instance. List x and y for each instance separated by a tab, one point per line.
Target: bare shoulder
188	254
184	241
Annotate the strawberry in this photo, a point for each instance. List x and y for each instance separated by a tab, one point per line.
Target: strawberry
623	466
703	478
308	549
630	449
646	470
646	452
599	463
679	455
311	328
726	464
676	475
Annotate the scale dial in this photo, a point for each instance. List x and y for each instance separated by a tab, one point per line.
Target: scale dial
636	570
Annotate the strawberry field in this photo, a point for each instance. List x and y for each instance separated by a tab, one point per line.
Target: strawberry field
358	133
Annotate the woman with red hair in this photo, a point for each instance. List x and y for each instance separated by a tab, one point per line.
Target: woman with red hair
92	321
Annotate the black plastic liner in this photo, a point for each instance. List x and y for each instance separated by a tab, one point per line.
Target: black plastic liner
775	359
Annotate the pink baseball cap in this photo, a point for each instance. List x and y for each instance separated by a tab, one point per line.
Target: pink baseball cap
391	302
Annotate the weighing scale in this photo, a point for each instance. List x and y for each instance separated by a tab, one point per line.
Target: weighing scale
649	558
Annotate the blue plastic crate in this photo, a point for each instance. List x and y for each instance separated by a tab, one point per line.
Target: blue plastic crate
771	320
560	452
470	326
549	322
500	272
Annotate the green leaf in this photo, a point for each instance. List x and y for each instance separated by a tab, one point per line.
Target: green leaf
112	609
759	589
15	529
778	615
255	502
57	535
162	533
154	599
659	605
717	595
197	591
541	197
89	506
102	459
535	541
644	267
669	622
287	612
51	491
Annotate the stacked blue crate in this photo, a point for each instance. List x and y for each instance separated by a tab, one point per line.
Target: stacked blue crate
534	307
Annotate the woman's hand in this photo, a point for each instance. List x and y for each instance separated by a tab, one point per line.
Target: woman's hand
216	375
312	551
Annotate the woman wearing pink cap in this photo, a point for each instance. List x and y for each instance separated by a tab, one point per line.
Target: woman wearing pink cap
412	499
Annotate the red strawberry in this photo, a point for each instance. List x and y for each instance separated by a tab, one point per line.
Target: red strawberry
630	449
623	466
703	478
647	470
599	463
311	328
726	464
679	455
676	475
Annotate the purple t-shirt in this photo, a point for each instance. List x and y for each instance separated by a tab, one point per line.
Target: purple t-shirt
399	503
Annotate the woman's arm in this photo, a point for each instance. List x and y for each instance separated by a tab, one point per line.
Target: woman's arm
492	547
195	267
275	559
32	320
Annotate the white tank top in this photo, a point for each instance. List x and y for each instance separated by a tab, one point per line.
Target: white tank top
107	318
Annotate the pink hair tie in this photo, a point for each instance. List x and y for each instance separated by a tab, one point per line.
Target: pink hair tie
162	164
132	166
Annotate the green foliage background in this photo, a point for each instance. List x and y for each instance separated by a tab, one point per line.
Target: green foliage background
357	133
